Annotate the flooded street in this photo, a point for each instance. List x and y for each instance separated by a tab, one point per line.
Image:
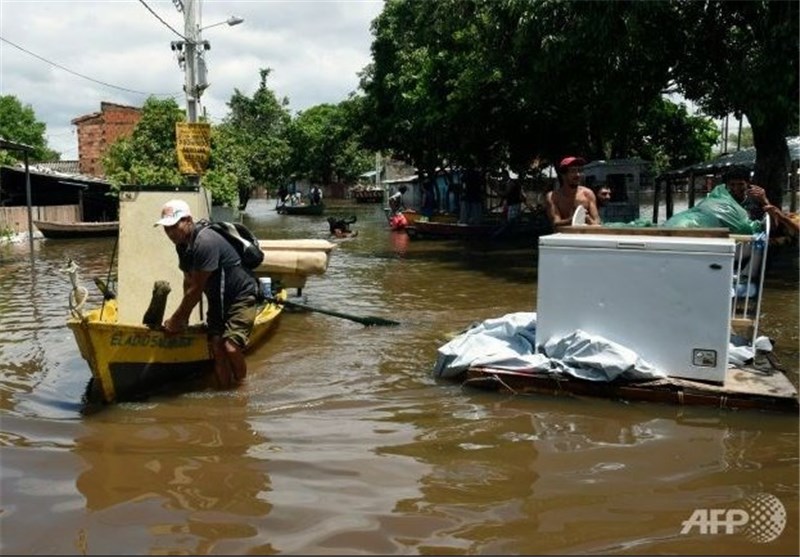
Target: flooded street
341	442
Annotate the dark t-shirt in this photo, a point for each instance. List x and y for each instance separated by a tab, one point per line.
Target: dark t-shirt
229	281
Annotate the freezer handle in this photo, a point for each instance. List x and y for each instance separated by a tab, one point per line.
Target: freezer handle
631	245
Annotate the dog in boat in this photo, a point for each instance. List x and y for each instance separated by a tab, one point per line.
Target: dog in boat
340	227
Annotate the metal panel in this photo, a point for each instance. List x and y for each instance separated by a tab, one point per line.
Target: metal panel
146	254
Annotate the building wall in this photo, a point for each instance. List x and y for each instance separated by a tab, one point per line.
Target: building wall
98	131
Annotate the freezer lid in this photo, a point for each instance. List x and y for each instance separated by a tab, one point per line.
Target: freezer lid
638	242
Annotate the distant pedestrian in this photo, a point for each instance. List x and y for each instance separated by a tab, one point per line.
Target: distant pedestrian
396	202
315	195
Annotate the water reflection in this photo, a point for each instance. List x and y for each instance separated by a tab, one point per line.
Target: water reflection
399	240
340	441
529	476
199	485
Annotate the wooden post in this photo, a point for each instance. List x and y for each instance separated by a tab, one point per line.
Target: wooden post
691	189
668	200
154	316
656	195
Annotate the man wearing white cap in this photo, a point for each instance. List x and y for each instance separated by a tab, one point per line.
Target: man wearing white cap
562	202
211	265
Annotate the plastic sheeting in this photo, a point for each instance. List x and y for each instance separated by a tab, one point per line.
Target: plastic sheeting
717	209
508	342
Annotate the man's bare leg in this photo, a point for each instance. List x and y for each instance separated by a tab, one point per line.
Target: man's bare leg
236	362
222	368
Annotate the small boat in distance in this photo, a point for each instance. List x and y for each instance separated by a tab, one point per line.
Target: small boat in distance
317	209
367	194
54	229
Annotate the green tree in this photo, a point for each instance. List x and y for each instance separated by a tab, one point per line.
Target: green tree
148	155
741	58
256	130
672	138
325	144
505	81
228	174
18	123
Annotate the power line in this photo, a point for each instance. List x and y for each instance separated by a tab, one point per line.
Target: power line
59	66
158	17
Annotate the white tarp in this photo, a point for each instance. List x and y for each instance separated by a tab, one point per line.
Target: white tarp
507	342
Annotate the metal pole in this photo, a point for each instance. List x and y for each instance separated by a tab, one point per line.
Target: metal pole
30	208
192	31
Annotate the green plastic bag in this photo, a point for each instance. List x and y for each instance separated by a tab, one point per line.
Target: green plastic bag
718	210
638	223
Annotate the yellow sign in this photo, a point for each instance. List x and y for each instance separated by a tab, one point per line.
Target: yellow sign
194	147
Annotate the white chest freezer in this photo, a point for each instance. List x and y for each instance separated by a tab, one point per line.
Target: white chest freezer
666	298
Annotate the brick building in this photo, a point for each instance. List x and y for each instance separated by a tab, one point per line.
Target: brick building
97	131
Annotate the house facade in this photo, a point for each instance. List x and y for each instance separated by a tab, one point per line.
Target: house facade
99	130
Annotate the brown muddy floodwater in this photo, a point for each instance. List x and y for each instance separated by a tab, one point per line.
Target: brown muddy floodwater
341	442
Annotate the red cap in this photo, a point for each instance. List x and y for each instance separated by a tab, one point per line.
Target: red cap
566	162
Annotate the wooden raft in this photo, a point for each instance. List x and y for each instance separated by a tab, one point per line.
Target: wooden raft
744	388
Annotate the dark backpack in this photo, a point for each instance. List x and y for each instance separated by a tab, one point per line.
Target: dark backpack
242	240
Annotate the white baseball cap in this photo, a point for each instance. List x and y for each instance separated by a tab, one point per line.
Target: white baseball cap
173	211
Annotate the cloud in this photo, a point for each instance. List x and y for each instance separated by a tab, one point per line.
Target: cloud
315	49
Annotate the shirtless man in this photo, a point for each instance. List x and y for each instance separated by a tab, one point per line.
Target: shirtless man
561	203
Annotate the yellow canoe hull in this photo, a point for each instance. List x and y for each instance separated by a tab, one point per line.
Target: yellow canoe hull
128	360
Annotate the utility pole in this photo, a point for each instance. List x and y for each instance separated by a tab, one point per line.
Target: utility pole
190	57
191	29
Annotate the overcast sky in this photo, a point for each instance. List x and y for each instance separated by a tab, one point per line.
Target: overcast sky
315	49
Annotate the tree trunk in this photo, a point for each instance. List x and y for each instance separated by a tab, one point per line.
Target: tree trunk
772	159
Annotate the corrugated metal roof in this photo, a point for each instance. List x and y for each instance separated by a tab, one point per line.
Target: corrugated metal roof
43	169
67	167
745	157
402	180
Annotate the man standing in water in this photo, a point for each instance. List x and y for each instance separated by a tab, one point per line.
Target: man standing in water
562	202
211	265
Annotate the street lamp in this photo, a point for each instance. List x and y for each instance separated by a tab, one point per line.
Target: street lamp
231	21
193	62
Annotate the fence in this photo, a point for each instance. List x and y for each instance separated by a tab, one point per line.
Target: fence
15	219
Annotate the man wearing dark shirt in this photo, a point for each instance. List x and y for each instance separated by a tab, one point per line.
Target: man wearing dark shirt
211	265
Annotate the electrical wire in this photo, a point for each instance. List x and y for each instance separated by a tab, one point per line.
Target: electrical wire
59	66
158	17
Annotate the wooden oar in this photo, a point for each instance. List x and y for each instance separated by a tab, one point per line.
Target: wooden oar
368	320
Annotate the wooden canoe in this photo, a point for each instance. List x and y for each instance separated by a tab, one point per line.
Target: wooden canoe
528	229
53	229
367	195
129	361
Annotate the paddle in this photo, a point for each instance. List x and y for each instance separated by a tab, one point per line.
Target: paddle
368	320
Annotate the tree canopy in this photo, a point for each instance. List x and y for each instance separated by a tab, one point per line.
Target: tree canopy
326	146
18	123
503	82
148	156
